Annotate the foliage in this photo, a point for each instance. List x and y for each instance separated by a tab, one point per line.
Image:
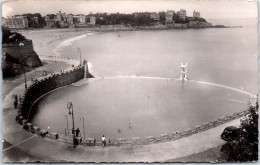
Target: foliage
35	20
8	36
245	147
162	16
57	24
135	19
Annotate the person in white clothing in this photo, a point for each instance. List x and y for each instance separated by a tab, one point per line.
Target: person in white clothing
103	141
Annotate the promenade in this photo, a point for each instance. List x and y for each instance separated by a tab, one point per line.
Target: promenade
31	147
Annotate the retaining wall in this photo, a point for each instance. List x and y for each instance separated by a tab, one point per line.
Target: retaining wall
45	85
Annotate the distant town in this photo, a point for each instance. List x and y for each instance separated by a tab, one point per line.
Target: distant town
170	18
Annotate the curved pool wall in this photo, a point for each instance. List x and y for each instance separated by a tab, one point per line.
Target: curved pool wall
54	81
45	85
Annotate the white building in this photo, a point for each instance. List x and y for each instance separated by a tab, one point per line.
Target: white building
182	14
15	22
155	16
196	14
82	19
92	20
169	15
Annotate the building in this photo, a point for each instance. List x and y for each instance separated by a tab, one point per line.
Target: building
50	23
155	16
92	20
76	19
182	14
169	15
196	14
61	17
70	19
82	19
15	22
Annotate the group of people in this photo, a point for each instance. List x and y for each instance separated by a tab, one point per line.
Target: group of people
17	99
77	133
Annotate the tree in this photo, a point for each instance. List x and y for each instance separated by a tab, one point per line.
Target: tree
35	20
245	147
57	24
8	36
162	16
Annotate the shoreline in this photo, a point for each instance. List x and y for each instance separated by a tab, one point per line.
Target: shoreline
111	28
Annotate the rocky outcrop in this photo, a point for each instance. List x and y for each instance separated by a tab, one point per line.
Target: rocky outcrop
18	57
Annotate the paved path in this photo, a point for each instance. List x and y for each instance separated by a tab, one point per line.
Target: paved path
44	149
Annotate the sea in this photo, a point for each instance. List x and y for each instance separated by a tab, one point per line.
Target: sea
136	91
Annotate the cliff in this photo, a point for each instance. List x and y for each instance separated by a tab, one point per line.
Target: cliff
17	57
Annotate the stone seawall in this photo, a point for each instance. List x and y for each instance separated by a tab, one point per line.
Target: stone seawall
45	85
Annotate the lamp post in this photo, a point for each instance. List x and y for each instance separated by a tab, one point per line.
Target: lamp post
70	107
67	124
79	55
23	66
25	84
83	126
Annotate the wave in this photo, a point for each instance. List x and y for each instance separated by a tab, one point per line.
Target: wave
68	42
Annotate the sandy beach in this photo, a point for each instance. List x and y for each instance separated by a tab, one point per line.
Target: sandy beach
46	40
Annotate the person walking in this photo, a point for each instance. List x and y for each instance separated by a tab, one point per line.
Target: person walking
15	101
103	141
77	132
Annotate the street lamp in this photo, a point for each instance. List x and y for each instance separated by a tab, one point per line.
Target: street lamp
23	66
67	124
25	84
83	126
70	107
79	55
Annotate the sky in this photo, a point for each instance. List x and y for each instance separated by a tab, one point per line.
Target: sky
207	8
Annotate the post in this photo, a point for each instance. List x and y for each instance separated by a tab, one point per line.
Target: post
67	124
79	55
23	66
86	74
70	106
25	84
83	126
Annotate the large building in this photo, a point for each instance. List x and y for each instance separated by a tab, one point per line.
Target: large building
196	14
70	19
92	20
155	16
169	15
82	19
15	22
182	14
61	17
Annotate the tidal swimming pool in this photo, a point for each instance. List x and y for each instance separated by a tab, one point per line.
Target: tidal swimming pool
138	107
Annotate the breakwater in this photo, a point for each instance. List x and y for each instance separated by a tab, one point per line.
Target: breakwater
45	85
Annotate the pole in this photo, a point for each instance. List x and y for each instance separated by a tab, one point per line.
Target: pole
67	124
79	55
73	127
23	66
70	106
83	126
25	84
